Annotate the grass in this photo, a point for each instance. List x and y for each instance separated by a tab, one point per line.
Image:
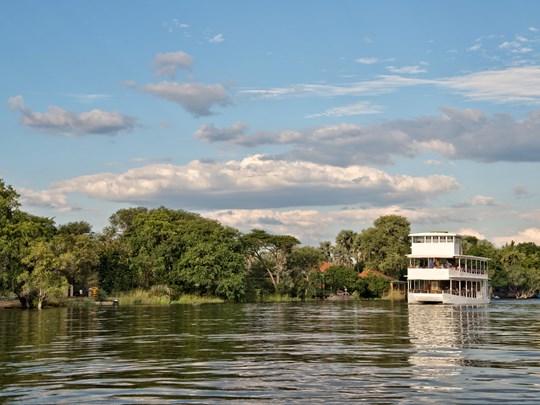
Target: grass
394	296
197	299
278	298
154	297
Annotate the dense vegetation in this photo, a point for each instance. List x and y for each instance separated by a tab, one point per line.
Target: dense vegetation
181	253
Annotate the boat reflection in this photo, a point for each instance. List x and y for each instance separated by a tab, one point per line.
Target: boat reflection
441	335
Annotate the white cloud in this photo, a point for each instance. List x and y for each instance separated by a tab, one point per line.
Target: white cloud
435	145
516	84
59	121
406	69
482	200
89	98
257	182
196	98
46	198
361	108
511	85
471	232
533	29
217	39
526	235
454	134
313	226
367	61
168	64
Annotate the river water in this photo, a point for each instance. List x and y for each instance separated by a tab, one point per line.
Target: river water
324	352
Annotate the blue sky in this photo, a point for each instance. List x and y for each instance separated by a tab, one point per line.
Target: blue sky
300	118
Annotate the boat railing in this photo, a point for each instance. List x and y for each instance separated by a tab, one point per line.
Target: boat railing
459	269
461	293
465	293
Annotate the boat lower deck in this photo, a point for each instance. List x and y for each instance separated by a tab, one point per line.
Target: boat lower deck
447	297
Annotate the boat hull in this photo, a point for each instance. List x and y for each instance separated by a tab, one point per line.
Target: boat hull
445	298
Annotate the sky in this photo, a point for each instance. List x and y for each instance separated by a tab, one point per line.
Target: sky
297	117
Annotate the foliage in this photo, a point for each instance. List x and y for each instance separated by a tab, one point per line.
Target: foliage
376	287
271	252
162	255
302	277
521	268
384	246
339	277
45	280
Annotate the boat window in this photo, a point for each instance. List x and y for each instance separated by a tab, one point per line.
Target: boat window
418	239
435	239
443	239
428	239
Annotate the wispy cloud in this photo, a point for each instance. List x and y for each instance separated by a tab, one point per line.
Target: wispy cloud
216	39
361	108
367	61
406	69
88	98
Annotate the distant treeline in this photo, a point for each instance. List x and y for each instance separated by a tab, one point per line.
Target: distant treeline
182	252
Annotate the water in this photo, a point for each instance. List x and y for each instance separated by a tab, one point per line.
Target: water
371	352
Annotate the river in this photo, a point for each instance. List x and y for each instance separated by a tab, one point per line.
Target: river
323	352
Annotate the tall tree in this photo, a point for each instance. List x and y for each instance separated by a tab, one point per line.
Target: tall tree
45	280
345	250
270	251
385	245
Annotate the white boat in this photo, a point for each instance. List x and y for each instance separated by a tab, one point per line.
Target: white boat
439	272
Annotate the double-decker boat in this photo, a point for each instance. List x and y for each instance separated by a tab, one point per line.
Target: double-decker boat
439	272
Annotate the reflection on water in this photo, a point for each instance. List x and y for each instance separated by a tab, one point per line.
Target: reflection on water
375	352
441	333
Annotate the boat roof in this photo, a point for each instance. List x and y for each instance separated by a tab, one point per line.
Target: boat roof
447	257
434	233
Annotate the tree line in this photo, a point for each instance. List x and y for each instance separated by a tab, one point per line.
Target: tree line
182	252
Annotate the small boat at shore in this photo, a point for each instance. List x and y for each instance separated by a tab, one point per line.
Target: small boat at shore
439	272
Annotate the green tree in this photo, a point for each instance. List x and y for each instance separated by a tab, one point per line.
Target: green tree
303	271
340	277
114	270
521	265
17	231
270	251
327	250
346	248
384	246
45	280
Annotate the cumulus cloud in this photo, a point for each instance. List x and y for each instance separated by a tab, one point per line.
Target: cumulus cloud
471	232
313	226
45	198
256	182
526	235
196	98
482	200
209	134
59	121
168	64
454	134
